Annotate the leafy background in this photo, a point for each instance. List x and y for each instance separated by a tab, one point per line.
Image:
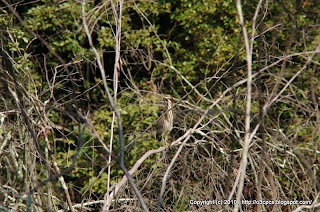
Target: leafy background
202	40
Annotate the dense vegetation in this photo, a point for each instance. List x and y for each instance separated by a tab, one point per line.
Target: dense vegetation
60	132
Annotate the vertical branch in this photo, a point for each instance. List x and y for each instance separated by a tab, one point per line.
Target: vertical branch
249	49
112	103
107	197
254	20
116	68
263	158
115	87
115	83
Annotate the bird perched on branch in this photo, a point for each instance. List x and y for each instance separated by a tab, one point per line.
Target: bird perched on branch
165	123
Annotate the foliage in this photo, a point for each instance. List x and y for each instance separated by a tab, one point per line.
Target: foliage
192	50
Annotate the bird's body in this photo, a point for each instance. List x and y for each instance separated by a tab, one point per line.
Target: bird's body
165	123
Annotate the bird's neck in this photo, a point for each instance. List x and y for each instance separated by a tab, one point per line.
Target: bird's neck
170	108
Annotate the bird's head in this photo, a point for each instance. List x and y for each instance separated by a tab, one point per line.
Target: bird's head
168	98
169	101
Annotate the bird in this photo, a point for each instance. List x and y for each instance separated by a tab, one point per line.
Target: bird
165	122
